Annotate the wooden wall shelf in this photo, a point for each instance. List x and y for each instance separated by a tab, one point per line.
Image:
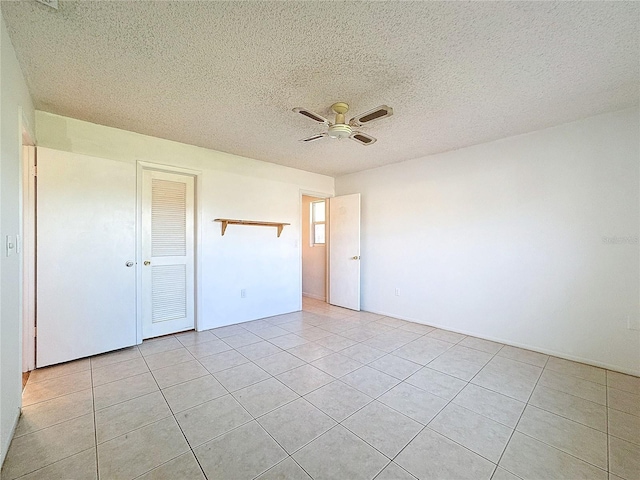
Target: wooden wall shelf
229	221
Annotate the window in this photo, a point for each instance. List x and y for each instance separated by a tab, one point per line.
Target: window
317	223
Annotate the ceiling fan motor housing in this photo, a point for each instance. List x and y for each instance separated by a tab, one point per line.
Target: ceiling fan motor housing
340	130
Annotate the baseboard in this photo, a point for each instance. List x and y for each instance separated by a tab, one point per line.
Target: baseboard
311	295
7	443
533	348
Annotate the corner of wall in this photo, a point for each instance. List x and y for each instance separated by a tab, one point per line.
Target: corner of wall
17	107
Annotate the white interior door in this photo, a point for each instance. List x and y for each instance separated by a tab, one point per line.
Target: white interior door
168	296
86	280
344	251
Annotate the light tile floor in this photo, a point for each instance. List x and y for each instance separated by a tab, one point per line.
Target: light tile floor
326	393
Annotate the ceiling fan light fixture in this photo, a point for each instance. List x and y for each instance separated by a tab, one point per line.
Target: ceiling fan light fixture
340	130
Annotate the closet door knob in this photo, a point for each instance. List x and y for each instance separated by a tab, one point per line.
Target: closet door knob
129	264
147	263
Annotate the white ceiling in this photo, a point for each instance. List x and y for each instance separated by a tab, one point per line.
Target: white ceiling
225	75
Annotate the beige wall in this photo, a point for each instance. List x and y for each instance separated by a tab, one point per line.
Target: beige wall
313	257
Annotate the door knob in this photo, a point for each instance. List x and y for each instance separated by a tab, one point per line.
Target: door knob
147	263
129	264
357	257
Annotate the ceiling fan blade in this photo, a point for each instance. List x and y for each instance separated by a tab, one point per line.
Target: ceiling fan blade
313	138
362	138
377	113
313	116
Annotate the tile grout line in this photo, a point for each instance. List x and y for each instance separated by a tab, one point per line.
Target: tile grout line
116	362
228	393
563	451
606	400
451	402
57	377
388	353
506	445
253	418
95	447
128	399
385	353
303	397
403	381
55	397
526	403
289	455
441	409
57	422
95	425
573	394
177	423
469	382
556	448
566	418
391	459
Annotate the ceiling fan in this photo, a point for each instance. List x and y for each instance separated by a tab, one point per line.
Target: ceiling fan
339	129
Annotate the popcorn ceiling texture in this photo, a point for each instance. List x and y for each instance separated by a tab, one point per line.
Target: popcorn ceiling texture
225	75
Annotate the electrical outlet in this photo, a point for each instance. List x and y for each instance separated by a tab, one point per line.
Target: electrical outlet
633	322
397	292
243	293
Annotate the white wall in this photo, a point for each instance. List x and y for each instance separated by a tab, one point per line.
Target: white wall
314	260
251	258
508	240
14	96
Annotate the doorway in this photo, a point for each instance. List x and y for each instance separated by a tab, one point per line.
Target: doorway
331	250
314	249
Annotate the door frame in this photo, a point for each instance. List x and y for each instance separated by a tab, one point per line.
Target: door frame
326	196
197	236
28	244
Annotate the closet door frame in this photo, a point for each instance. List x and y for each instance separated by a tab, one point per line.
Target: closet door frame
197	175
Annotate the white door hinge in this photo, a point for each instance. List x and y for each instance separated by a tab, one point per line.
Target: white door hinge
34	170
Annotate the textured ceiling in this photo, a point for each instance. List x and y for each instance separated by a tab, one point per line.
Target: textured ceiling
225	75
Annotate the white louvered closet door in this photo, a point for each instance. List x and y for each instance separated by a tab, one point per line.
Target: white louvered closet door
167	253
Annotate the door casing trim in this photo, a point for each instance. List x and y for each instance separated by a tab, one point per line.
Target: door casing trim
28	261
